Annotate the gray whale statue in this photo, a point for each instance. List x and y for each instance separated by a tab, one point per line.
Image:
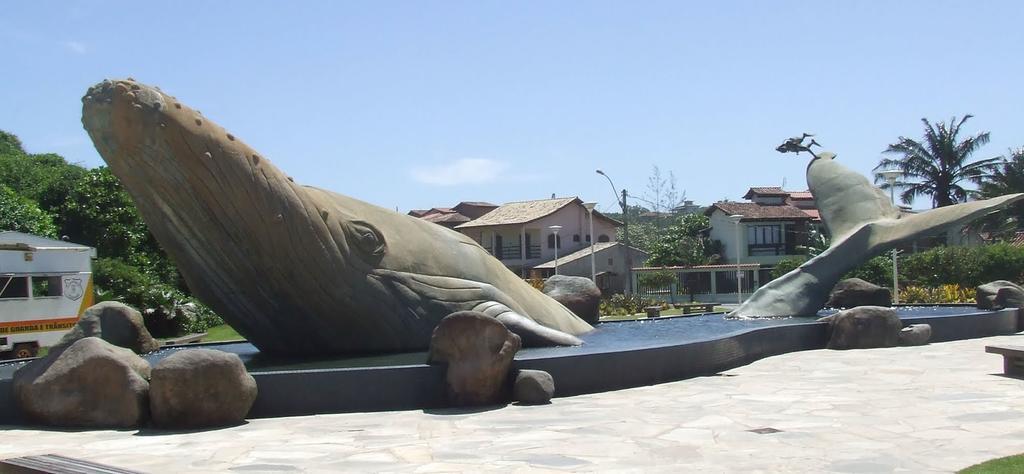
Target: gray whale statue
863	224
295	269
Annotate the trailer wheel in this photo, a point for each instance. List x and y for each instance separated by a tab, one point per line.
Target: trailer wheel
25	350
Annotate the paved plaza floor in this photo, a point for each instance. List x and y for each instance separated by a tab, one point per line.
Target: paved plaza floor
935	408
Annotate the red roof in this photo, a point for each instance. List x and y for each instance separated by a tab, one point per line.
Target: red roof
765	191
753	210
800	195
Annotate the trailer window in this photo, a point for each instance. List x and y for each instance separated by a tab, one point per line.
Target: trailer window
13	287
46	286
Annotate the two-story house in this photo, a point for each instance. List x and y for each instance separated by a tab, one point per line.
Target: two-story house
520	234
770	227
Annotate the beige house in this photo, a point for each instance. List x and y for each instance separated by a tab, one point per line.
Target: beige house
609	265
520	235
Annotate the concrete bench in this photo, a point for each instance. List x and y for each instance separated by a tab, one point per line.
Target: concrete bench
55	463
689	308
1013	359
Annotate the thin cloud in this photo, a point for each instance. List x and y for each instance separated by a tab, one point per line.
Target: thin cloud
76	47
459	172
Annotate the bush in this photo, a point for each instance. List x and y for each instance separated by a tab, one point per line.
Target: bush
621	305
964	266
944	294
786	265
878	270
167	311
661	279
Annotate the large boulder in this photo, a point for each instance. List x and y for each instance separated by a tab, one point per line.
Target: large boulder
579	294
999	294
853	292
200	388
478	351
114	322
864	327
90	383
533	387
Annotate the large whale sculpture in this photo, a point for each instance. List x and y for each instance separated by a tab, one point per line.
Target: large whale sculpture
295	269
863	223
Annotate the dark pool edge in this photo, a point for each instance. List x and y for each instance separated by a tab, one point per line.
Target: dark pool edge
306	392
300	392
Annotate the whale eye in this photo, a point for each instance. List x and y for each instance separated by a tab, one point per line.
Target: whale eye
366	238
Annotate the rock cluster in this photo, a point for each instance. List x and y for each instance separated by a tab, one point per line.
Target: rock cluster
579	294
867	327
864	327
533	387
478	352
999	294
114	322
853	292
89	381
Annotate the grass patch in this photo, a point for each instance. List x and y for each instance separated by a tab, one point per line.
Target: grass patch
1007	465
222	333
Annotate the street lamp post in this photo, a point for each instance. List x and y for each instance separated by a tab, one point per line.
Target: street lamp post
890	177
593	266
554	230
739	275
625	232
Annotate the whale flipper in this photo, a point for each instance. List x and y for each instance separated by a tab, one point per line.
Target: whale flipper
529	331
863	224
457	294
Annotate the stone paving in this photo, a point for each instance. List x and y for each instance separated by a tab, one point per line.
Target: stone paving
936	408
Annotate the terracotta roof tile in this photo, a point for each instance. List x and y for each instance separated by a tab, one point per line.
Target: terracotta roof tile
751	210
519	212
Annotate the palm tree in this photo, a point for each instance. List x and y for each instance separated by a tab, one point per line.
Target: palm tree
1007	178
938	165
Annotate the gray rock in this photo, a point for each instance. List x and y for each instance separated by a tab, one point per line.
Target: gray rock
533	387
853	292
114	322
478	351
579	294
200	388
863	327
915	335
999	294
90	383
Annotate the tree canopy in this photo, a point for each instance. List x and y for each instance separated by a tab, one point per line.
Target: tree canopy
938	165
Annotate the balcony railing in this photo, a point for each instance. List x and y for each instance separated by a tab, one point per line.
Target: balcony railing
755	250
514	252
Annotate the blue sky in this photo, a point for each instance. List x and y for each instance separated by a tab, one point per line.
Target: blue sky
421	104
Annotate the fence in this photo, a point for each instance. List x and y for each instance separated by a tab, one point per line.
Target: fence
703	283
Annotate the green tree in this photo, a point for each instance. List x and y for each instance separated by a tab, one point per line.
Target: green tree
99	213
1007	178
44	178
21	214
684	244
937	166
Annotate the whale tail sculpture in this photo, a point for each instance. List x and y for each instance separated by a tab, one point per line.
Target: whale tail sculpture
295	269
863	223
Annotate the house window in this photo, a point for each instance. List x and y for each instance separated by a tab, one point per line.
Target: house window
552	239
610	262
765	239
575	237
588	237
602	238
13	287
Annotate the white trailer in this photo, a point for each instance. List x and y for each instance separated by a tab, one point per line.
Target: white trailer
45	285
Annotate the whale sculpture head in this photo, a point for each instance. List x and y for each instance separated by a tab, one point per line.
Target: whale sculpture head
296	269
